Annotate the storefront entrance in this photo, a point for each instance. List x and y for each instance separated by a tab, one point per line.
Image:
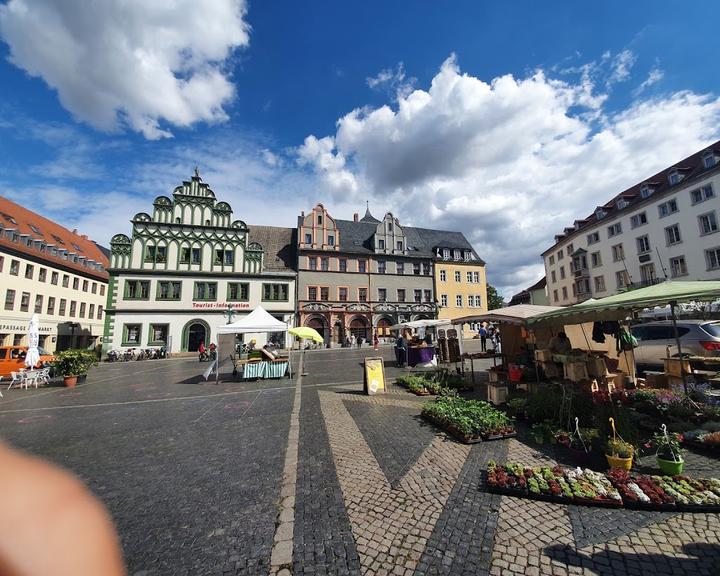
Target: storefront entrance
194	333
359	329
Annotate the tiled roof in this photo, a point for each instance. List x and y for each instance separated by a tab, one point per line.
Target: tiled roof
356	237
279	245
691	167
16	219
525	297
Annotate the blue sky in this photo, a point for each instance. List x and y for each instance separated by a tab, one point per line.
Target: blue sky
504	120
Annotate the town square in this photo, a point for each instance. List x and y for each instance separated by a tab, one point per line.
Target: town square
359	289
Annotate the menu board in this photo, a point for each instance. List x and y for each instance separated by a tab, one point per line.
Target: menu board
374	380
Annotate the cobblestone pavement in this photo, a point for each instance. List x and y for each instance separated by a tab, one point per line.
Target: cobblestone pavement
192	473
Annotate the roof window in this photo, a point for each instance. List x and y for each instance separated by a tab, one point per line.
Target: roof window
8	218
709	159
600	213
646	191
674	176
58	239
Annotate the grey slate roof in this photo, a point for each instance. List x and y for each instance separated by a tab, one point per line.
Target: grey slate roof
356	237
279	245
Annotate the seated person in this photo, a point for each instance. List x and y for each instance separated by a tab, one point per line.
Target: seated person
428	338
560	344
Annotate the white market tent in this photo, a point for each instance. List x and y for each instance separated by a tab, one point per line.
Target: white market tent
421	324
258	321
517	314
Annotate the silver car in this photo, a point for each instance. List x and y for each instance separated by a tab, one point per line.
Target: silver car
697	338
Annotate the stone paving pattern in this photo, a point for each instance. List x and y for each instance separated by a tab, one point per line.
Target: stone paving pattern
193	472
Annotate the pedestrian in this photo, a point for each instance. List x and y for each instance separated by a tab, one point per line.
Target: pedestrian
483	338
202	355
352	341
376	341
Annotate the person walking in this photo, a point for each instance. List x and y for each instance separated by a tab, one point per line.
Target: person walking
483	338
376	341
352	341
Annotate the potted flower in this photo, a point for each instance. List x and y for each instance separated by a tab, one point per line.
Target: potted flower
73	363
668	452
619	453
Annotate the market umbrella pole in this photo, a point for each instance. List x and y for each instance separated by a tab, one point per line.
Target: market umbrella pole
673	304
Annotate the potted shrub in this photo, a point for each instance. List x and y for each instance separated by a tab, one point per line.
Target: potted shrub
668	452
73	363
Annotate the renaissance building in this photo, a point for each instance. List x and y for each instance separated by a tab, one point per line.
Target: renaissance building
189	267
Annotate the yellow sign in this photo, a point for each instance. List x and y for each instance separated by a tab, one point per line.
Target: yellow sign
374	376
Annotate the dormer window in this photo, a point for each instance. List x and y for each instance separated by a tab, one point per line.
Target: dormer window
308	238
456	254
446	253
399	245
646	191
331	240
319	219
622	203
381	244
709	159
389	227
600	213
468	255
674	177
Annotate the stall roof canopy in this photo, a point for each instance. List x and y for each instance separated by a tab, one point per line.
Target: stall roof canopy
420	324
517	314
257	321
618	306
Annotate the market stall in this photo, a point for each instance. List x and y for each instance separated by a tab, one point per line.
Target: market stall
619	306
267	365
419	352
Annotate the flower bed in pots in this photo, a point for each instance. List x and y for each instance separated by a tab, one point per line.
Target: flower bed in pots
468	420
616	488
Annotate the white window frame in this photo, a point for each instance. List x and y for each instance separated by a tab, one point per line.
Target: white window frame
712	219
678	260
710	254
639	219
670	240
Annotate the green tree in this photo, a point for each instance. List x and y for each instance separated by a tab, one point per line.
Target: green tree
494	299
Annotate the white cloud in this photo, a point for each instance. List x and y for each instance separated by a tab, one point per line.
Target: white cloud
621	66
510	162
130	63
654	77
395	81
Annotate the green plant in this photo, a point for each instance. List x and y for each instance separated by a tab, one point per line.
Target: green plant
618	448
74	362
469	417
542	432
516	406
544	404
667	445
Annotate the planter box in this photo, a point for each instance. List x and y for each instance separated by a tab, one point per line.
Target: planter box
453	432
489	437
497	393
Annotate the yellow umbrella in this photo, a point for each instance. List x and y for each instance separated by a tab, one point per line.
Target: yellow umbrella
306	333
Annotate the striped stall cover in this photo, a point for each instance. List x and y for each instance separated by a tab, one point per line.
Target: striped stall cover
254	370
276	369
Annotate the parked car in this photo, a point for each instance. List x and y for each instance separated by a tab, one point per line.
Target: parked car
697	338
12	358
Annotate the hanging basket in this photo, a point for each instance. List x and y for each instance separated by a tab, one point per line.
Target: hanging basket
616	462
670	467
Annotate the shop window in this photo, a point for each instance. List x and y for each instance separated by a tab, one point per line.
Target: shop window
168	290
158	334
238	291
275	292
137	289
131	334
205	291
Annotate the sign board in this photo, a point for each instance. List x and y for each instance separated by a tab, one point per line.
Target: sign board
374	379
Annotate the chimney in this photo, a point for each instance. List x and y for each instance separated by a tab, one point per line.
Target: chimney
75	231
83	236
302	214
355	217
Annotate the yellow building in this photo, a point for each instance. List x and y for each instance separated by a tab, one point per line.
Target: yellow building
460	285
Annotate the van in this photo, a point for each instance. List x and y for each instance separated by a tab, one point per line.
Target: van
12	359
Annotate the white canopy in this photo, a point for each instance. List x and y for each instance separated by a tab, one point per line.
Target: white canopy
420	324
257	321
511	314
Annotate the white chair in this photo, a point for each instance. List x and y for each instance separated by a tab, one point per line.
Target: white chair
44	376
17	377
31	377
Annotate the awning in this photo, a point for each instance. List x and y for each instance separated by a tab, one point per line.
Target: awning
421	324
517	314
619	306
257	321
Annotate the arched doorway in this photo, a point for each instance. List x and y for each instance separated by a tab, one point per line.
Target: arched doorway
194	332
316	323
359	328
383	327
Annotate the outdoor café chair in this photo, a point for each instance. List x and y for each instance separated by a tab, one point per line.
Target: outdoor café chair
18	377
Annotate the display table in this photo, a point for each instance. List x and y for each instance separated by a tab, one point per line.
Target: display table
420	355
263	369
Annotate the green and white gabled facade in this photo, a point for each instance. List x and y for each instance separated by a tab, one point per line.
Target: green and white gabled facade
185	264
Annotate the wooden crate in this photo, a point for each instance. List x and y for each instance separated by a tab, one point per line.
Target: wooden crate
497	393
576	371
673	365
543	355
596	366
656	380
497	376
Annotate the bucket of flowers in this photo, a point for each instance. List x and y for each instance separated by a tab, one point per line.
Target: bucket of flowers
667	451
619	453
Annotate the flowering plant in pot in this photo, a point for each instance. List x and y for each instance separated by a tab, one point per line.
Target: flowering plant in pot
73	363
619	453
668	452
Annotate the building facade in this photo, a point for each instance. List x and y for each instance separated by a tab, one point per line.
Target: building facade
535	294
360	277
460	282
48	270
189	267
665	227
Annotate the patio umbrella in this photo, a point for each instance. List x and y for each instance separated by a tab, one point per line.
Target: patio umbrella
305	333
33	356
